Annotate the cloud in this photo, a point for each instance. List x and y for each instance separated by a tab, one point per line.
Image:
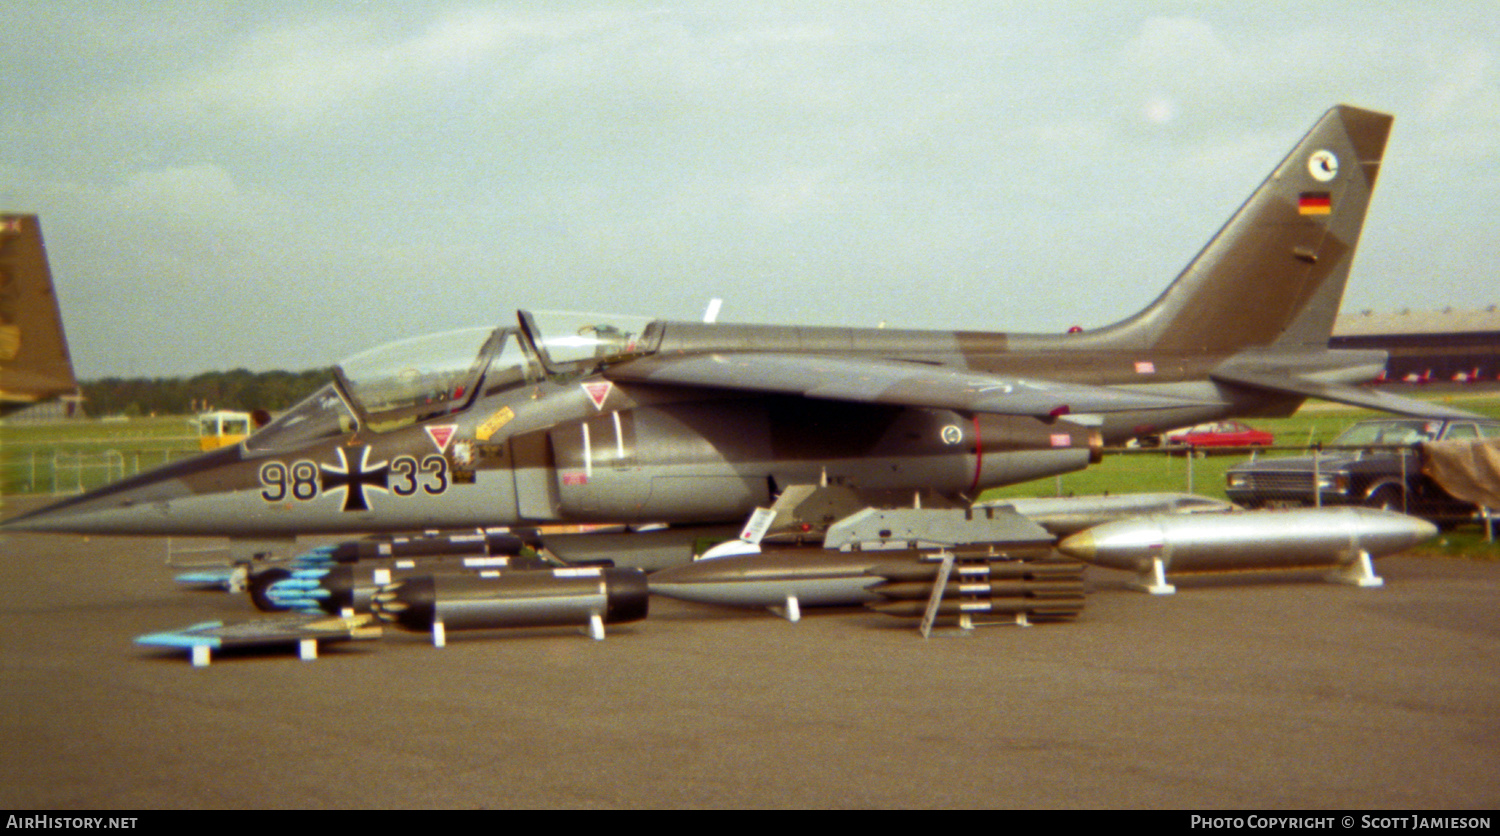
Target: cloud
186	189
320	167
1169	59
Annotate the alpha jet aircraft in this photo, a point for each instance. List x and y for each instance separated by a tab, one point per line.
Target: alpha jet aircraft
578	418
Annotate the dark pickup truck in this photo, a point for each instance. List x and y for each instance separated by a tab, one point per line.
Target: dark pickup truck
1374	463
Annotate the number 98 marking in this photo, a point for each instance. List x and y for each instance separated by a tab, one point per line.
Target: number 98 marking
301	481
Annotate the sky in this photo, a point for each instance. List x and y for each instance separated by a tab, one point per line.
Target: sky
278	185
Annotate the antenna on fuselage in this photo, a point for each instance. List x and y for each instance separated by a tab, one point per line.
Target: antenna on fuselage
711	313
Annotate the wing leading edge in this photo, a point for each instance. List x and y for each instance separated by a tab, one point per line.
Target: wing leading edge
860	380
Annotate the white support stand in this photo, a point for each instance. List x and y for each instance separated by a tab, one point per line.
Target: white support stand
1357	572
200	655
1154	579
791	611
596	627
439	634
1022	620
307	650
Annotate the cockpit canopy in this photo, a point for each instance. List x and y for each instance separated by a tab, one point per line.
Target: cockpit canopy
568	341
410	380
402	381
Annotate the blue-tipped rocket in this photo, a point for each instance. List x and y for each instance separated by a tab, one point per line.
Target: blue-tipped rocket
585	596
256	577
335	588
213	577
303	591
303	631
1344	538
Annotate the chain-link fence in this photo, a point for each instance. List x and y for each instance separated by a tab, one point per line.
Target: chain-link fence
64	470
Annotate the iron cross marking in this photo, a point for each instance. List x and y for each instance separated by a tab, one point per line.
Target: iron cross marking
354	480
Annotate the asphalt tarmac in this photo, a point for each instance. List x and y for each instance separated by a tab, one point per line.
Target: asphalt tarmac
1287	693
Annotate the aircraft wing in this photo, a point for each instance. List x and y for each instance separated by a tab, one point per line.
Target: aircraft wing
861	380
1280	381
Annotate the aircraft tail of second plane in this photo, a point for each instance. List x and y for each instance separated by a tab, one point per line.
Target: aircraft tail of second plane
34	361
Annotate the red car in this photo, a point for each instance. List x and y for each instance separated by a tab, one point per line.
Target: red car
1219	434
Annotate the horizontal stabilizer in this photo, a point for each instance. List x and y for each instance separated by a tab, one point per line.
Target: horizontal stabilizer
1278	381
861	380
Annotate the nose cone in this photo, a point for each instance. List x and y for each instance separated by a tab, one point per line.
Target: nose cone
1079	546
100	512
141	504
1126	543
1387	532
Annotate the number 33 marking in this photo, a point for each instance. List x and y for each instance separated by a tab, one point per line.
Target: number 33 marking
430	475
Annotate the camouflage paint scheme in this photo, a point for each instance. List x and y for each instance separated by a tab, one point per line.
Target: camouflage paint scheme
625	420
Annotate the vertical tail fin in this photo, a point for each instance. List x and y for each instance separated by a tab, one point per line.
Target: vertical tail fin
1275	274
34	360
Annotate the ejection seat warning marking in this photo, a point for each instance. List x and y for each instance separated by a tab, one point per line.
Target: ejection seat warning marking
306	480
441	435
597	391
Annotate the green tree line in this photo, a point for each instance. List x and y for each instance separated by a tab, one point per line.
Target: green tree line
239	389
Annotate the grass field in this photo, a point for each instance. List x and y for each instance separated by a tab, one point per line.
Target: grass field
70	457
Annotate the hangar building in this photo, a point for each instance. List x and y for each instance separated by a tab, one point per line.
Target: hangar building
1462	346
